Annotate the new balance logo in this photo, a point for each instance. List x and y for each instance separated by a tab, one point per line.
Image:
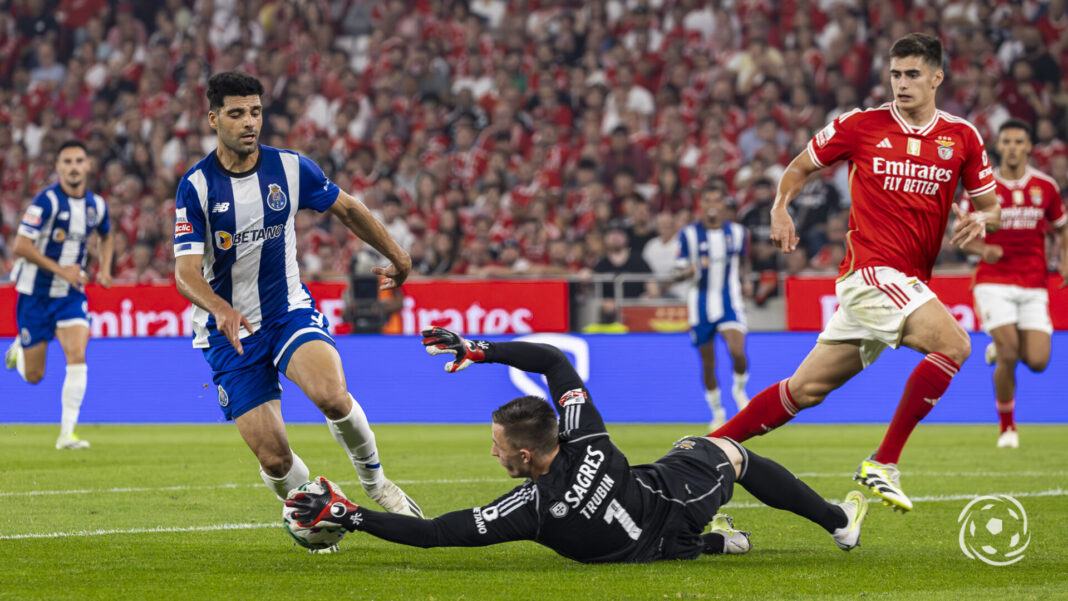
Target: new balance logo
222	207
884	144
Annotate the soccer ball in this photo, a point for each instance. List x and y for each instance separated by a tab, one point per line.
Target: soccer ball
319	537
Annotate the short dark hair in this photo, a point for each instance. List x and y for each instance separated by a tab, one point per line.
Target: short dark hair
72	143
231	83
529	423
927	47
1015	123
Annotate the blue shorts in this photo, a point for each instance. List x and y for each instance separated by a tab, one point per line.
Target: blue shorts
39	316
250	380
702	333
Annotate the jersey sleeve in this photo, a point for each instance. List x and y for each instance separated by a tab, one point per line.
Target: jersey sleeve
36	215
104	226
578	416
511	517
977	174
1055	208
189	222
836	141
682	257
316	190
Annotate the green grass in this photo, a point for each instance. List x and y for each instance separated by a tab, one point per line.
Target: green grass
201	476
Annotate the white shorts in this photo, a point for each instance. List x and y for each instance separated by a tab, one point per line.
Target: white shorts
873	303
1004	304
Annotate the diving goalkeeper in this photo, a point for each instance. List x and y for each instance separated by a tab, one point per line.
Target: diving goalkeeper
581	497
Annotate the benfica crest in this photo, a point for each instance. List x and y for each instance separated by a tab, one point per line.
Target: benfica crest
276	199
945	149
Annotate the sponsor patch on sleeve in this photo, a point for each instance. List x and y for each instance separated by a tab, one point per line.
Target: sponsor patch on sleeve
183	227
32	217
573	397
825	135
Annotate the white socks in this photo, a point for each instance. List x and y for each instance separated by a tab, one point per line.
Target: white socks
714	403
20	362
741	397
72	395
354	434
298	474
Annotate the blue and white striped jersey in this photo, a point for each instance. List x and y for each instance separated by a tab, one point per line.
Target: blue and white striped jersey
715	254
242	223
59	227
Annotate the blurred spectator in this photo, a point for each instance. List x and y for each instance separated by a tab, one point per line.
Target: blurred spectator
522	120
661	252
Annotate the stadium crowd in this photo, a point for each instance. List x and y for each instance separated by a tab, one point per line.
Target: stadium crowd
498	138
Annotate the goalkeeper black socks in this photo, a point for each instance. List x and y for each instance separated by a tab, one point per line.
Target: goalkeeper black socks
775	486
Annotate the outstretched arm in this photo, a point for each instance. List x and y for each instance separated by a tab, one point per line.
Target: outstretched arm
793	180
475	527
527	356
578	416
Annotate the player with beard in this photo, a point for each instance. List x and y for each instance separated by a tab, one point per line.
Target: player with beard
236	261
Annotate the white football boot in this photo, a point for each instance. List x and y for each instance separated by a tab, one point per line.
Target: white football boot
1009	439
71	443
11	355
884	481
990	355
735	542
856	508
392	499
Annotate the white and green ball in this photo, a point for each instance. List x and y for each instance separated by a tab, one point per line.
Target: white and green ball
318	537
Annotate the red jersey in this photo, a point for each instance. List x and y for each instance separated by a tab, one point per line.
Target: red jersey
902	180
1026	205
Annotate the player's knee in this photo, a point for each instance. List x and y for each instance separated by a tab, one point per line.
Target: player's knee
276	463
809	394
958	348
1008	354
334	402
1036	364
34	376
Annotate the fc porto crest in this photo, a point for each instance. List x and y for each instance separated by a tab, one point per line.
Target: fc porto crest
224	399
276	199
945	148
90	216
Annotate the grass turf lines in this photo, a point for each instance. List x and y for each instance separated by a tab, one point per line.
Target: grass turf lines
178	512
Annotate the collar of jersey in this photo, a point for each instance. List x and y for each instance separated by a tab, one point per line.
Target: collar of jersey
227	172
907	127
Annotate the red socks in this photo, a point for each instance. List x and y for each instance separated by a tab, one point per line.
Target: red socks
1005	409
926	385
768	410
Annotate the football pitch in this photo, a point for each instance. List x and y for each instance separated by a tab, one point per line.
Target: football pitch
179	512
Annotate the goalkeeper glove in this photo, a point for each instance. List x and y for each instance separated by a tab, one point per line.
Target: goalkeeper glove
439	341
329	508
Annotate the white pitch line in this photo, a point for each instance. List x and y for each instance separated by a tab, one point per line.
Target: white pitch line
79	533
1055	492
129	489
126	489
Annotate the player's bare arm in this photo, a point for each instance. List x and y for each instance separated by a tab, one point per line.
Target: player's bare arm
107	254
1062	233
25	248
793	180
984	220
192	285
355	215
